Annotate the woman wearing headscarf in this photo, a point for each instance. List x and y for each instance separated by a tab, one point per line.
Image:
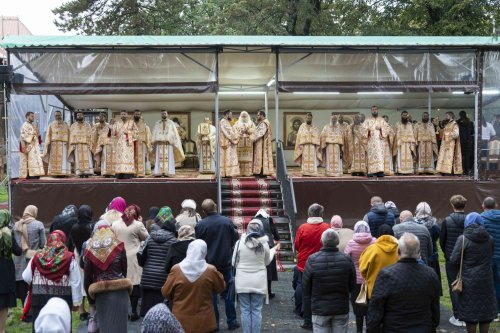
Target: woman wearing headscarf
251	255
423	215
177	251
53	271
115	210
153	211
361	239
188	214
345	234
105	282
160	320
477	302
80	232
190	287
152	258
132	232
30	235
8	246
55	317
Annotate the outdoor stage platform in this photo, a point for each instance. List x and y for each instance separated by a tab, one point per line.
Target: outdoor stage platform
346	196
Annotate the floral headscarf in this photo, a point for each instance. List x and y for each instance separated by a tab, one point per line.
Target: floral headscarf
186	232
361	227
5	235
118	204
103	247
69	211
164	215
54	259
131	213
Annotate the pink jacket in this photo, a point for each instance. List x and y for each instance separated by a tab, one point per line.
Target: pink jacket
355	247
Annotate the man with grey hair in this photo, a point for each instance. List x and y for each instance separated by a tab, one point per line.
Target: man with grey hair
329	277
408	224
406	295
307	242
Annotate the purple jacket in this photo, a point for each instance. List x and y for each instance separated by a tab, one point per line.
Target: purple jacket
355	247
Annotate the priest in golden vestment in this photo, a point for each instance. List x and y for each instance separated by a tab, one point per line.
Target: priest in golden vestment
124	135
376	130
245	129
307	152
228	142
357	146
142	146
206	139
450	155
102	147
427	148
80	143
404	146
332	147
263	164
55	151
389	144
167	147
30	159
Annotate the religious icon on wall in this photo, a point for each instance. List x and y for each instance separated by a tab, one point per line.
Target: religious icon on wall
182	122
291	124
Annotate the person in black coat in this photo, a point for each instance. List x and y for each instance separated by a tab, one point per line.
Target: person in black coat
272	233
152	258
177	251
65	222
220	235
405	297
328	278
477	302
8	246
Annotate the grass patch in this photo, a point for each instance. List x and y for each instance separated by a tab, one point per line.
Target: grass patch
15	325
4	195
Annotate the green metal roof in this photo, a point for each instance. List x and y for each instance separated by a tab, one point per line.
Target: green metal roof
10	42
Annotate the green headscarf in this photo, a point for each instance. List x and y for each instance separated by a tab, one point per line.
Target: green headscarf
164	215
5	235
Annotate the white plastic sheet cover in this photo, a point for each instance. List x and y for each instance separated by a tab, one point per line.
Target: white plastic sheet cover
491	78
377	67
114	68
43	106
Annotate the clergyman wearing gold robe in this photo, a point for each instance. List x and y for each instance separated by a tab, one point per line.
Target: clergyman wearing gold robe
80	142
124	135
307	152
102	147
450	155
206	139
228	142
427	148
55	151
263	164
404	146
30	159
142	146
245	129
357	147
332	147
376	130
167	147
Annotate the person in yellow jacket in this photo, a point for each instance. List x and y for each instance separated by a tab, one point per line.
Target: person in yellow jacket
382	253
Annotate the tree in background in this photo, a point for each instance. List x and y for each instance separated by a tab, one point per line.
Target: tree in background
278	17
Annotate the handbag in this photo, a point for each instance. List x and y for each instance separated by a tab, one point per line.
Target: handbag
456	285
363	295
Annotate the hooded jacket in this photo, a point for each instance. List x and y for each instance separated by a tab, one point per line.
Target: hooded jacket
451	228
356	246
377	216
383	253
491	219
152	258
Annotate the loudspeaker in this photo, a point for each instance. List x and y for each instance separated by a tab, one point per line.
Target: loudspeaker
18	78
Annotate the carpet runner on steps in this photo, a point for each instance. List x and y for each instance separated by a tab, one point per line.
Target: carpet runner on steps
243	197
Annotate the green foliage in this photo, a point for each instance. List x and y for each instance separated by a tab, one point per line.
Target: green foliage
278	17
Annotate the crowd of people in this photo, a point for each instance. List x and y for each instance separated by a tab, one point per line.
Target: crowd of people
172	270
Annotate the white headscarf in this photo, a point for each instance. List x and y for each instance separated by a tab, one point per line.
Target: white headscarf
263	213
54	317
194	265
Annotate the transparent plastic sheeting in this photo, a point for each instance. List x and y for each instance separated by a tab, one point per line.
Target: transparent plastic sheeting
43	106
377	67
115	68
491	77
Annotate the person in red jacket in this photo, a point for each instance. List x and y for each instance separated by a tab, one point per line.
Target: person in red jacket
307	242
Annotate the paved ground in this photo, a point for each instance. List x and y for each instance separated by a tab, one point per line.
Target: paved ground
278	316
